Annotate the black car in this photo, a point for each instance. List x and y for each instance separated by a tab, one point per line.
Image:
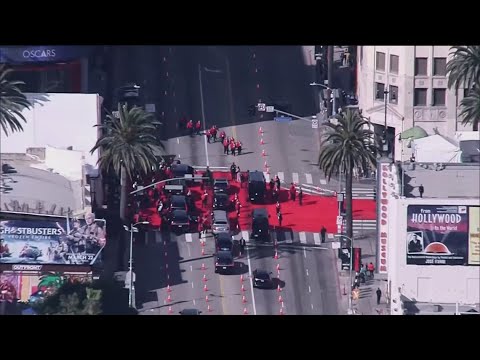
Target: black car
224	241
190	312
220	185
262	279
260	224
224	261
221	201
179	220
256	186
178	202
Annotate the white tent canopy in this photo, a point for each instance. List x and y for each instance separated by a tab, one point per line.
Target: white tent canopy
435	149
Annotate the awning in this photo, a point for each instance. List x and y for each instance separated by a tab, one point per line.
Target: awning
414	133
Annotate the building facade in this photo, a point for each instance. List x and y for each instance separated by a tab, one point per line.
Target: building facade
406	86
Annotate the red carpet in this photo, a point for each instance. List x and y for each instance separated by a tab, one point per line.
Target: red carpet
309	217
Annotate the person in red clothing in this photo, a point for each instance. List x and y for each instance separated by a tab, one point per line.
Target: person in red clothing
204	199
225	146
190	126
238	145
293	192
197	127
277	207
208	134
222	136
213	132
370	269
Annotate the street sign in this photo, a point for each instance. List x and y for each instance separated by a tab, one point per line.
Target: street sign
339	220
270	109
261	106
315	124
336	245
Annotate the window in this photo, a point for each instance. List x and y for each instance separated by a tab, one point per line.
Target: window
439	97
440	66
380	61
421	66
394	64
380	91
393	94
420	97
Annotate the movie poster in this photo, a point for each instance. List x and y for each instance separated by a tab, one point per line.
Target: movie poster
474	236
437	235
52	242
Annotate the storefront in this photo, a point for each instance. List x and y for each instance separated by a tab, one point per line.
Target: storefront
61	69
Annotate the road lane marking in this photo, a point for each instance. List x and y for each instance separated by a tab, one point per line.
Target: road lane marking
281	176
309	289
245	236
267	176
303	237
194	302
312	306
189	253
178	140
305	253
288	238
179	156
192	284
188	237
307	271
309	178
251	282
295	178
323	181
316	239
191	268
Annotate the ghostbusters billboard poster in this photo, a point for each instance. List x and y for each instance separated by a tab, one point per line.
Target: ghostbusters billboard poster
52	242
438	235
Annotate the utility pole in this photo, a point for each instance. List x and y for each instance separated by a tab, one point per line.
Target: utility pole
330	79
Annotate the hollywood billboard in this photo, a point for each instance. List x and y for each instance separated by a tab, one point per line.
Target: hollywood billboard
442	235
44	242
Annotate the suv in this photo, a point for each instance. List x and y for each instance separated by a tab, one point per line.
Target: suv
179	220
221	201
224	242
220	185
224	261
260	225
220	222
256	186
178	202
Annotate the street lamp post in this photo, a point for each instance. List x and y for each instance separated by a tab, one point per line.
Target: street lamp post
350	311
132	229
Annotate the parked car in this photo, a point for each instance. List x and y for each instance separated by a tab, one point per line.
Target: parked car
220	221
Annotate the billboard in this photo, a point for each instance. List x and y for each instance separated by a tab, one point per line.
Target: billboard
44	242
442	235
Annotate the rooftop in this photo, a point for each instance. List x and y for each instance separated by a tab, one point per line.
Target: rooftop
456	180
31	190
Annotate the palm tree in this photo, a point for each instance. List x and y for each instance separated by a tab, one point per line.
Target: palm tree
128	145
12	102
345	146
463	70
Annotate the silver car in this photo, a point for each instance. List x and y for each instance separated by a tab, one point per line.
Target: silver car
220	222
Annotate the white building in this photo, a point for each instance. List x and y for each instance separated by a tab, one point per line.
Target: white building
416	82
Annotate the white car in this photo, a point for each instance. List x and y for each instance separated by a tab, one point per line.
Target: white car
220	222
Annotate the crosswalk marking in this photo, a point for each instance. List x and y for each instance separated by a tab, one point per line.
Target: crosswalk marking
295	178
309	178
288	237
281	177
245	235
188	238
267	176
316	239
323	181
303	237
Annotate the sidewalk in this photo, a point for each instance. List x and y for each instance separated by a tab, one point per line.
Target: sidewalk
367	301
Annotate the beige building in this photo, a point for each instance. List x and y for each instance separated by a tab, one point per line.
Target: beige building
414	78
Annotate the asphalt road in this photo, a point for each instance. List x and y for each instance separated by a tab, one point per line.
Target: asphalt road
290	148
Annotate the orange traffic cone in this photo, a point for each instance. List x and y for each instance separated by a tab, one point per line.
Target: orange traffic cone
169	298
205	287
204	278
170	311
209	309
202	243
261	141
264	153
276	255
203	251
245	311
206	298
241	278
169	289
280	299
244	299
203	266
278	267
260	131
265	165
281	311
243	288
279	289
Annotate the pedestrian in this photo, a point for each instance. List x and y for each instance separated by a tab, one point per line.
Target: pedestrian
208	174
213	132
280	218
233	171
239	147
275	195
160	207
421	189
238	175
277	182
300	196
200	230
323	232
371	269
197	127
379	295
208	134
271	184
277	207
204	199
293	192
232	147
222	136
239	206
190	126
225	146
242	244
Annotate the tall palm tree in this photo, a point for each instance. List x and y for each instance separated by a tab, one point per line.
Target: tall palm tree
128	145
463	70
345	146
12	102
